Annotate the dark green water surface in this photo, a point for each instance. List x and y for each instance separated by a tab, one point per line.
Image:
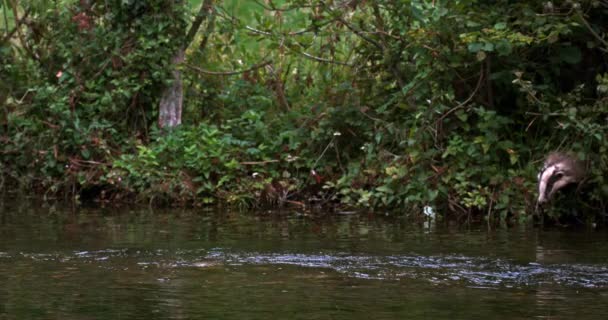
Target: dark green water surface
62	263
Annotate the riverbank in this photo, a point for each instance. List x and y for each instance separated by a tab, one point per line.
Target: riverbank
383	106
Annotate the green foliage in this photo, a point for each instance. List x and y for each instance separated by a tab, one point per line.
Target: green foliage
86	80
199	164
381	104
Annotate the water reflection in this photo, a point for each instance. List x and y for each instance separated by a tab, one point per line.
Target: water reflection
100	263
476	272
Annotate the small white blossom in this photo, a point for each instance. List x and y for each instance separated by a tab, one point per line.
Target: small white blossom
291	158
429	212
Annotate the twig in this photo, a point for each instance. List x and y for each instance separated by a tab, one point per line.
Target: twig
257	31
204	12
551	114
531	122
17	26
462	104
361	35
323	60
324	150
103	67
253	163
208	32
19	34
597	36
490	208
229	73
273	7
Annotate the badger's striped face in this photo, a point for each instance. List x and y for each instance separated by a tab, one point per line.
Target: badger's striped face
551	179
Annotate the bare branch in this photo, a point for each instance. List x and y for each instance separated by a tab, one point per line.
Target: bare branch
17	26
323	60
228	73
359	33
258	31
204	12
597	36
462	104
273	7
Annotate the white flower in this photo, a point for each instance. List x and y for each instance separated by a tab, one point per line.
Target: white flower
429	212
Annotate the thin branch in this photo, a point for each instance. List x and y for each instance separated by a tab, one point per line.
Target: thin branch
272	7
462	104
258	31
17	26
323	60
381	26
356	31
228	73
207	34
204	12
254	163
552	114
597	36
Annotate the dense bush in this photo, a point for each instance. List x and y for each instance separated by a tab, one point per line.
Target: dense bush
92	76
381	104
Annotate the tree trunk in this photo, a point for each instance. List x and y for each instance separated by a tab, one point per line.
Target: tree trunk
170	108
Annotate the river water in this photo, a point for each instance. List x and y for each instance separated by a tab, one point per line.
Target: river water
75	263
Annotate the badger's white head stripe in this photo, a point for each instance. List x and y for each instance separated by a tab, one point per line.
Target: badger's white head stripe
543	181
558	171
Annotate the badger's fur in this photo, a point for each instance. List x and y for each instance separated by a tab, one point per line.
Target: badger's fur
559	170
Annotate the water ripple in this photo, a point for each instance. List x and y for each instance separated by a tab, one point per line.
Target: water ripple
440	269
480	272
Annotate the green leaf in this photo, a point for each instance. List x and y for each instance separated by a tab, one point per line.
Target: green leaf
503	47
500	26
85	153
475	46
384	189
462	116
570	54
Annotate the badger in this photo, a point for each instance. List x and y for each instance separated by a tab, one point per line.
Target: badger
559	171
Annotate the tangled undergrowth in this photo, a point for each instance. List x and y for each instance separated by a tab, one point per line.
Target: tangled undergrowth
376	104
